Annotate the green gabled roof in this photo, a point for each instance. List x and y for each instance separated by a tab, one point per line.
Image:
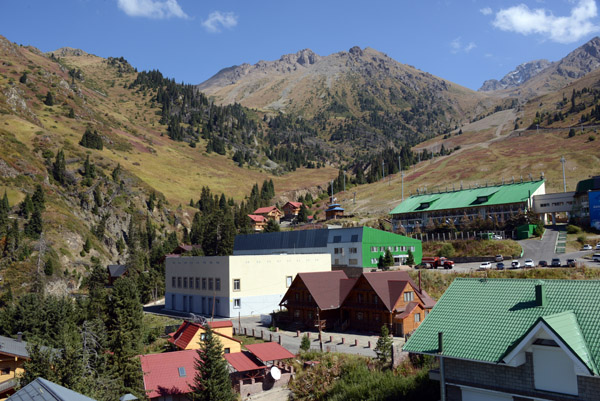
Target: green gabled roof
565	325
496	195
483	319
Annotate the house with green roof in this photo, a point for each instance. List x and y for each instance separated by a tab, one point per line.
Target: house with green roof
497	202
515	339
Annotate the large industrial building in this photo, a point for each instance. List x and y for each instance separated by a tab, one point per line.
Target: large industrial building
234	286
498	202
348	247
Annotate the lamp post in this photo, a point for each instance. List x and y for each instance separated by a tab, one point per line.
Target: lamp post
562	160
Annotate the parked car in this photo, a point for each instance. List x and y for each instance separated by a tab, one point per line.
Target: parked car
571	263
596	257
515	264
598	246
586	247
497	237
555	262
423	266
529	263
499	258
500	266
485	265
542	263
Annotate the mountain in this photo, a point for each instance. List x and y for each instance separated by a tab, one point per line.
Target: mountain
540	77
517	77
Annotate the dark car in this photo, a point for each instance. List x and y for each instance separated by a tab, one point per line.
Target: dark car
500	266
555	262
542	263
571	263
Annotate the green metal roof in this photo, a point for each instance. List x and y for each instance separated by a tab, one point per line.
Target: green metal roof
496	195
483	319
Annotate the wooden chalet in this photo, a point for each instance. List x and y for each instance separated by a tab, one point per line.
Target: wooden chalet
269	212
291	209
317	296
365	303
258	222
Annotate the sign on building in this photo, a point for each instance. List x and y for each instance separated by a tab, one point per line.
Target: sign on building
594	202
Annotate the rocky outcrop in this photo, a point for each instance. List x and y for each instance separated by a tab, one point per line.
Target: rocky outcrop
517	77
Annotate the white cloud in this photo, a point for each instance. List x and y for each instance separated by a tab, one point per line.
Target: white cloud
217	20
157	9
456	46
521	19
486	11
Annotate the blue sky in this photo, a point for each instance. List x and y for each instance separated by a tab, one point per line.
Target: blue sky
465	42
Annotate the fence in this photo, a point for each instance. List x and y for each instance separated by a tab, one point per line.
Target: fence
461	235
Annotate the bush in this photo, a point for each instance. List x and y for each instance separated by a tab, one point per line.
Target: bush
305	344
447	250
581	239
571	229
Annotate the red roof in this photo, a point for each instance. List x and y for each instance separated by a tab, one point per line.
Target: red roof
389	286
295	204
243	361
328	289
269	351
264	210
162	374
186	332
412	305
257	218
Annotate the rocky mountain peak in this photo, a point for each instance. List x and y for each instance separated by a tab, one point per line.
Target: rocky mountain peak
69	51
521	74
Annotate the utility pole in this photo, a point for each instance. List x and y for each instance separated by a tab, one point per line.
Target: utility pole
383	170
320	334
442	375
401	176
344	181
562	160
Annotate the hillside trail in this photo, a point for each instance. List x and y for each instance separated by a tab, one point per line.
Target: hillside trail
499	120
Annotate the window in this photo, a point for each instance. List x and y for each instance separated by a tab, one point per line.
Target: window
359	298
309	298
409	296
218	284
173	282
5	371
297	296
354	238
236	284
297	313
181	372
375	299
202	336
396	248
374	261
203	283
373	249
237	303
226	350
381	249
412	248
288	281
178	282
417	317
210	283
403	249
337	239
197	283
359	316
353	250
353	261
185	282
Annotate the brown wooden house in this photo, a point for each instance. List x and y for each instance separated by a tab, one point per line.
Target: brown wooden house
317	296
258	222
291	209
390	298
269	212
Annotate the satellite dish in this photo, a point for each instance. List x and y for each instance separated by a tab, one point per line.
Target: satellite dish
275	373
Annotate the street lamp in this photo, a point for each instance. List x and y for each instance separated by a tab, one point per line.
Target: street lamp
562	160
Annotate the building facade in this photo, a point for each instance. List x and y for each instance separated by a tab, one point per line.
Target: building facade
515	340
498	202
231	286
348	247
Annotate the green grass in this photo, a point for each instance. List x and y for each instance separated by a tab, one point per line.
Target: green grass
475	248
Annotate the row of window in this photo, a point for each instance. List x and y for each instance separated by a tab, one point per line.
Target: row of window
391	248
195	283
340	251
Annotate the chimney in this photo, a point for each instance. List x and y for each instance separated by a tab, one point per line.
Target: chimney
540	295
19	336
420	282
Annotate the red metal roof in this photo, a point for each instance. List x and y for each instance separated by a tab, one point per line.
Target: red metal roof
389	286
257	218
328	289
219	324
266	209
161	372
295	204
407	311
243	361
269	351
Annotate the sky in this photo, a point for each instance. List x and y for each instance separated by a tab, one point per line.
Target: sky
466	42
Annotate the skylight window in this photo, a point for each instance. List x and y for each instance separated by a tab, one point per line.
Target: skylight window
182	372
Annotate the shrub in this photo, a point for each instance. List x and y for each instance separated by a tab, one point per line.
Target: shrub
305	344
581	239
447	250
571	229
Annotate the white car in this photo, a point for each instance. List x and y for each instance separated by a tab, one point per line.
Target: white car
598	246
529	263
485	265
515	264
586	247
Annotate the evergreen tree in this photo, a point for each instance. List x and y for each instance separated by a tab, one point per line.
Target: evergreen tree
38	199
49	100
383	348
305	343
26	207
410	259
211	381
34	228
303	214
87	245
71	113
116	173
49	267
59	167
23	78
91	139
388	260
272	226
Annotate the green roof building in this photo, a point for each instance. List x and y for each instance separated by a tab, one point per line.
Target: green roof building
508	339
497	201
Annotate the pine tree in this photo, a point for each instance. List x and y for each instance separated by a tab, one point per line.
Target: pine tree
211	381
383	348
303	214
388	260
38	198
59	167
116	173
34	227
49	100
272	226
410	259
26	207
23	78
305	343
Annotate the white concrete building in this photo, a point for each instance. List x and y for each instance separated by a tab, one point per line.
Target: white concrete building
232	286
